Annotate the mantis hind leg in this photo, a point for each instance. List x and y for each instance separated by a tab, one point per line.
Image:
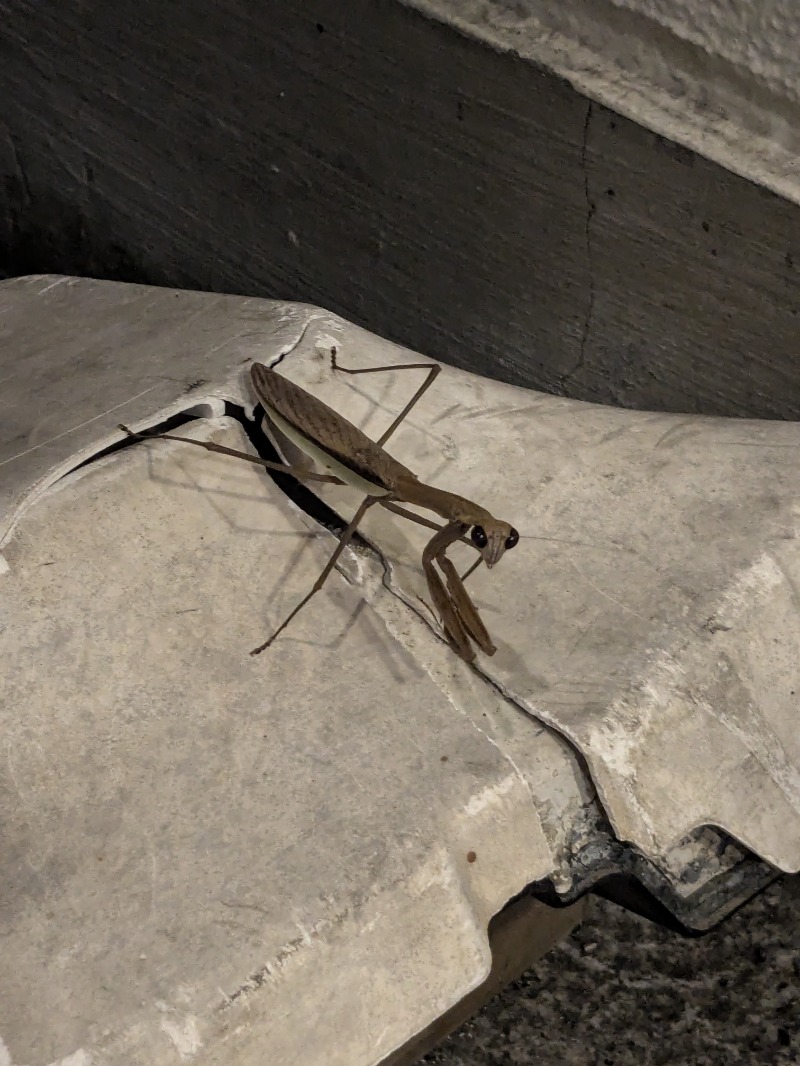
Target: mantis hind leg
210	446
433	372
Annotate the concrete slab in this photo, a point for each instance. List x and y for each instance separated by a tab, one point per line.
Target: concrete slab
197	843
297	857
651	612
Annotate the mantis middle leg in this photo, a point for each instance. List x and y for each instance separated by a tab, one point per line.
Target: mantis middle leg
433	372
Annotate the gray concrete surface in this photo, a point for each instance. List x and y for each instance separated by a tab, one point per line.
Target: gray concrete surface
366	158
196	842
622	992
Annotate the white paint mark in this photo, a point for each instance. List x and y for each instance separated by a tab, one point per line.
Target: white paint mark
759	579
618	737
437	872
305	934
290	317
490	797
4	569
379	1038
5	1054
77	1058
324	342
185	994
53	285
185	1036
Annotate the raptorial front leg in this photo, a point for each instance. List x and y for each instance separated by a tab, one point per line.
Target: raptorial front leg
412	516
459	616
454	630
466	609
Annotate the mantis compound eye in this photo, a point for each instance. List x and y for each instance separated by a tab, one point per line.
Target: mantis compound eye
512	538
478	536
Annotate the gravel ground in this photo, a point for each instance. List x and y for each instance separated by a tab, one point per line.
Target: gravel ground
623	992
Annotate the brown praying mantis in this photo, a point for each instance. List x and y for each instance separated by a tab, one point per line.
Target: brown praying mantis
351	457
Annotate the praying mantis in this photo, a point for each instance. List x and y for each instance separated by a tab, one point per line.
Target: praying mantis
351	457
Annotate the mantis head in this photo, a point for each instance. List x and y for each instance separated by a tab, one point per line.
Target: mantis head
492	538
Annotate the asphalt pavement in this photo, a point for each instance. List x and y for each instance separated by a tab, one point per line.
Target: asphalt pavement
623	992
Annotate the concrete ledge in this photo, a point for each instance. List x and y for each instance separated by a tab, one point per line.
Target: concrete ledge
298	857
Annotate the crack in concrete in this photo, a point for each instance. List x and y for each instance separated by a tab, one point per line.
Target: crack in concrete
292	346
591	208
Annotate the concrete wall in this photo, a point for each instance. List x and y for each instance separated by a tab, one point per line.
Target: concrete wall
719	76
367	157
